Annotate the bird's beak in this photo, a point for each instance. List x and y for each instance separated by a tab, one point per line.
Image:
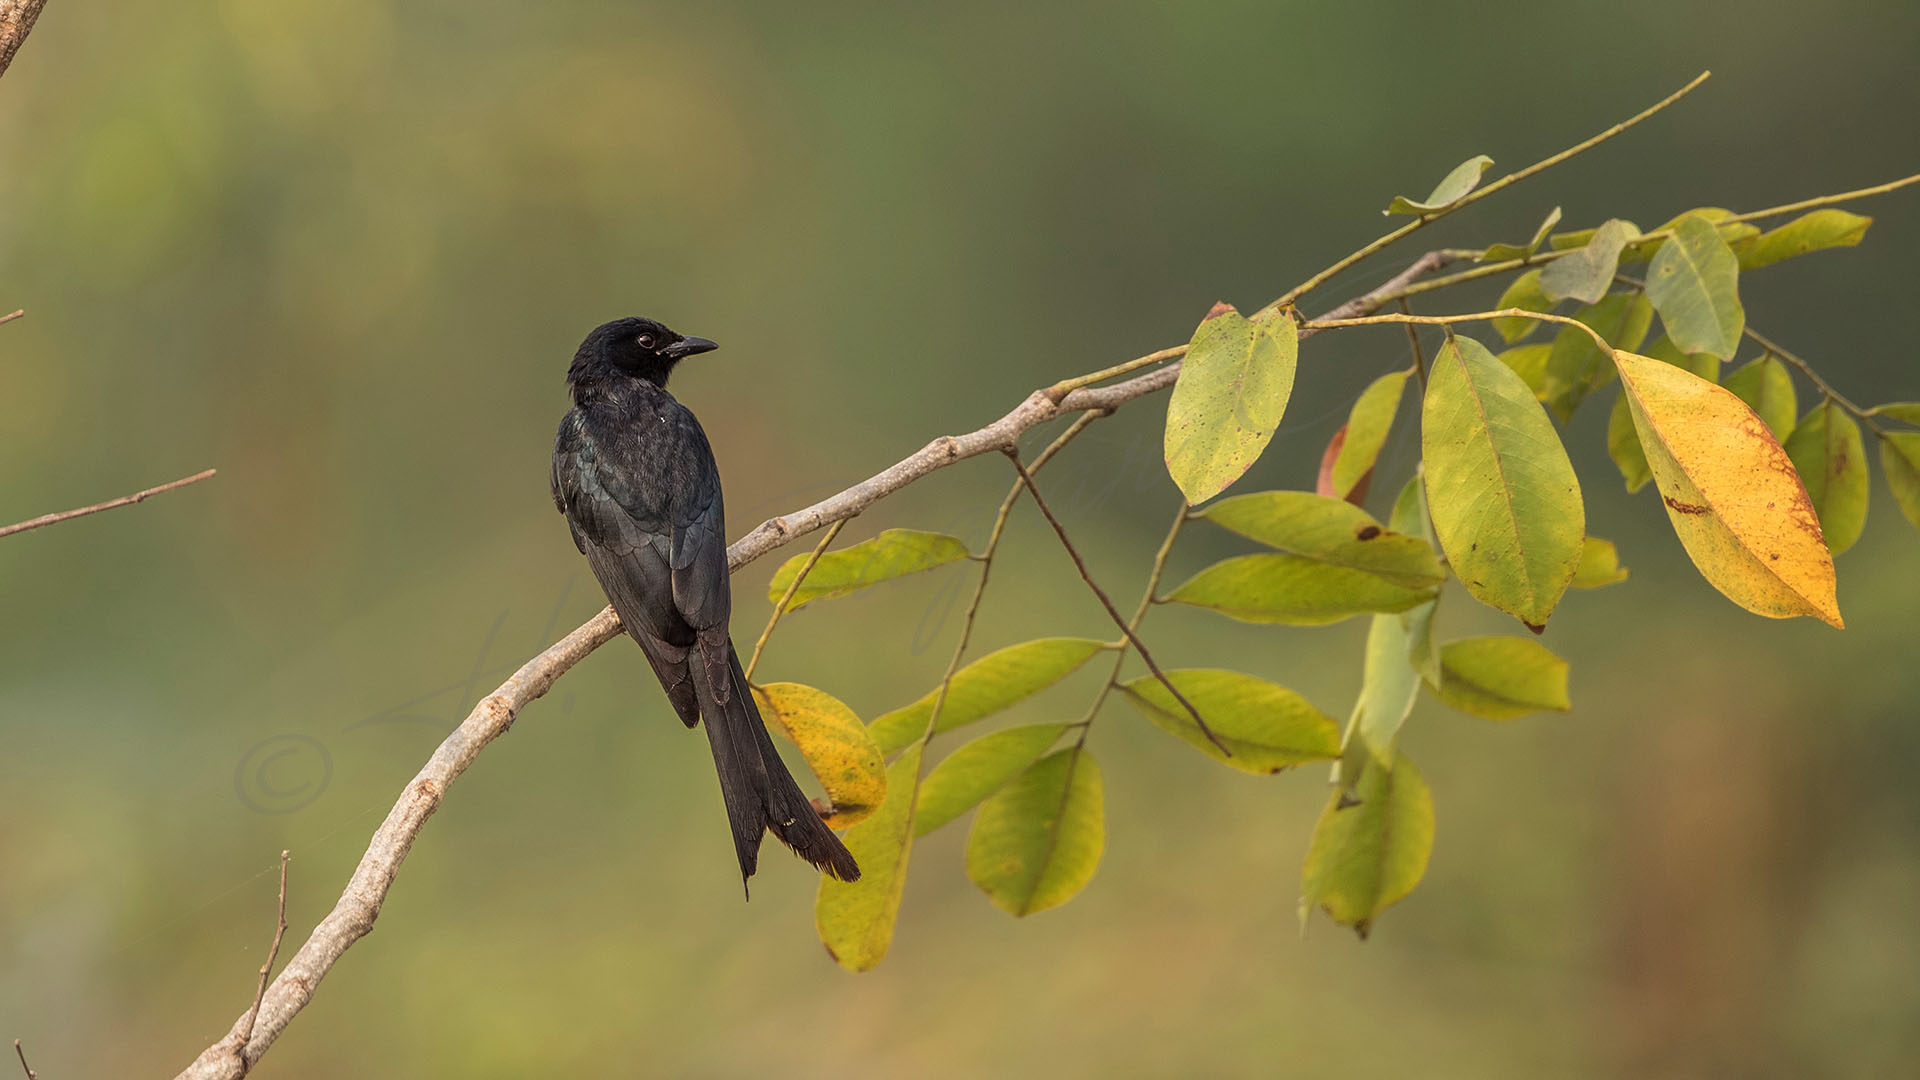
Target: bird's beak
687	346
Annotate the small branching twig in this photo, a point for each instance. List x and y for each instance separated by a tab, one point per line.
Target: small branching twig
111	504
1119	620
1148	598
273	953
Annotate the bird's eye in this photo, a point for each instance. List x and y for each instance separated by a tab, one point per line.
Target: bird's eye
646	341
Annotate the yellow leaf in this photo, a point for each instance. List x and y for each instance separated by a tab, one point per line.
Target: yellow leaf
1733	496
837	746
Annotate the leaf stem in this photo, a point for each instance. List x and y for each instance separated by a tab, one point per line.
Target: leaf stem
780	608
1147	600
1475	196
1825	387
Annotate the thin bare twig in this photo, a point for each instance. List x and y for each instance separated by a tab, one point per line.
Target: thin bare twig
1476	195
1147	600
16	22
273	953
1119	620
353	915
1413	338
31	1075
124	500
9	317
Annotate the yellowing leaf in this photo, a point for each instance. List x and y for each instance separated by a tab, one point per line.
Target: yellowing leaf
855	918
1455	186
892	554
1503	252
1267	726
977	770
835	743
1826	451
1036	842
1293	590
1900	460
1587	274
1331	531
1369	854
1826	228
1232	389
1731	492
1526	294
1501	678
1694	284
1600	561
1502	494
1577	366
992	683
1366	432
1623	445
1767	389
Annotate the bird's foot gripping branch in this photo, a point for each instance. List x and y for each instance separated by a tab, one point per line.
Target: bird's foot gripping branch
1761	494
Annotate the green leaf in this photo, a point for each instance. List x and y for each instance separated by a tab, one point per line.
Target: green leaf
1389	684
1525	293
1623	446
1503	496
1694	283
1366	855
1366	432
1600	561
1501	678
1454	187
1267	726
1577	366
1587	274
1233	387
1330	531
834	742
894	553
1293	590
1813	232
1705	365
1504	252
1734	233
977	770
1410	516
855	918
1037	842
1906	412
994	682
1826	451
1767	388
1900	460
1530	363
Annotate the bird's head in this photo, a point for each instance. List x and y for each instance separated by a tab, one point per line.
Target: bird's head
634	347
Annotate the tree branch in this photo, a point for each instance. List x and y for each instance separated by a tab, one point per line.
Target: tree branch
124	500
354	913
16	22
273	953
22	1054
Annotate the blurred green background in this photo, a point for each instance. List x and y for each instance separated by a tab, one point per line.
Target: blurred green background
343	251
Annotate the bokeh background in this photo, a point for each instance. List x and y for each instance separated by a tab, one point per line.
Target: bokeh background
343	251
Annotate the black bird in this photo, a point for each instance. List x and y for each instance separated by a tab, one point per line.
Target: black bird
634	476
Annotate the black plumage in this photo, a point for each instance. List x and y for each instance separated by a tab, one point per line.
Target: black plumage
634	476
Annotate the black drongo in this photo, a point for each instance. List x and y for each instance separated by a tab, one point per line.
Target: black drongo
634	476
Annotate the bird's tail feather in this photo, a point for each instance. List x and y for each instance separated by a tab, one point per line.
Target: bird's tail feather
760	793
